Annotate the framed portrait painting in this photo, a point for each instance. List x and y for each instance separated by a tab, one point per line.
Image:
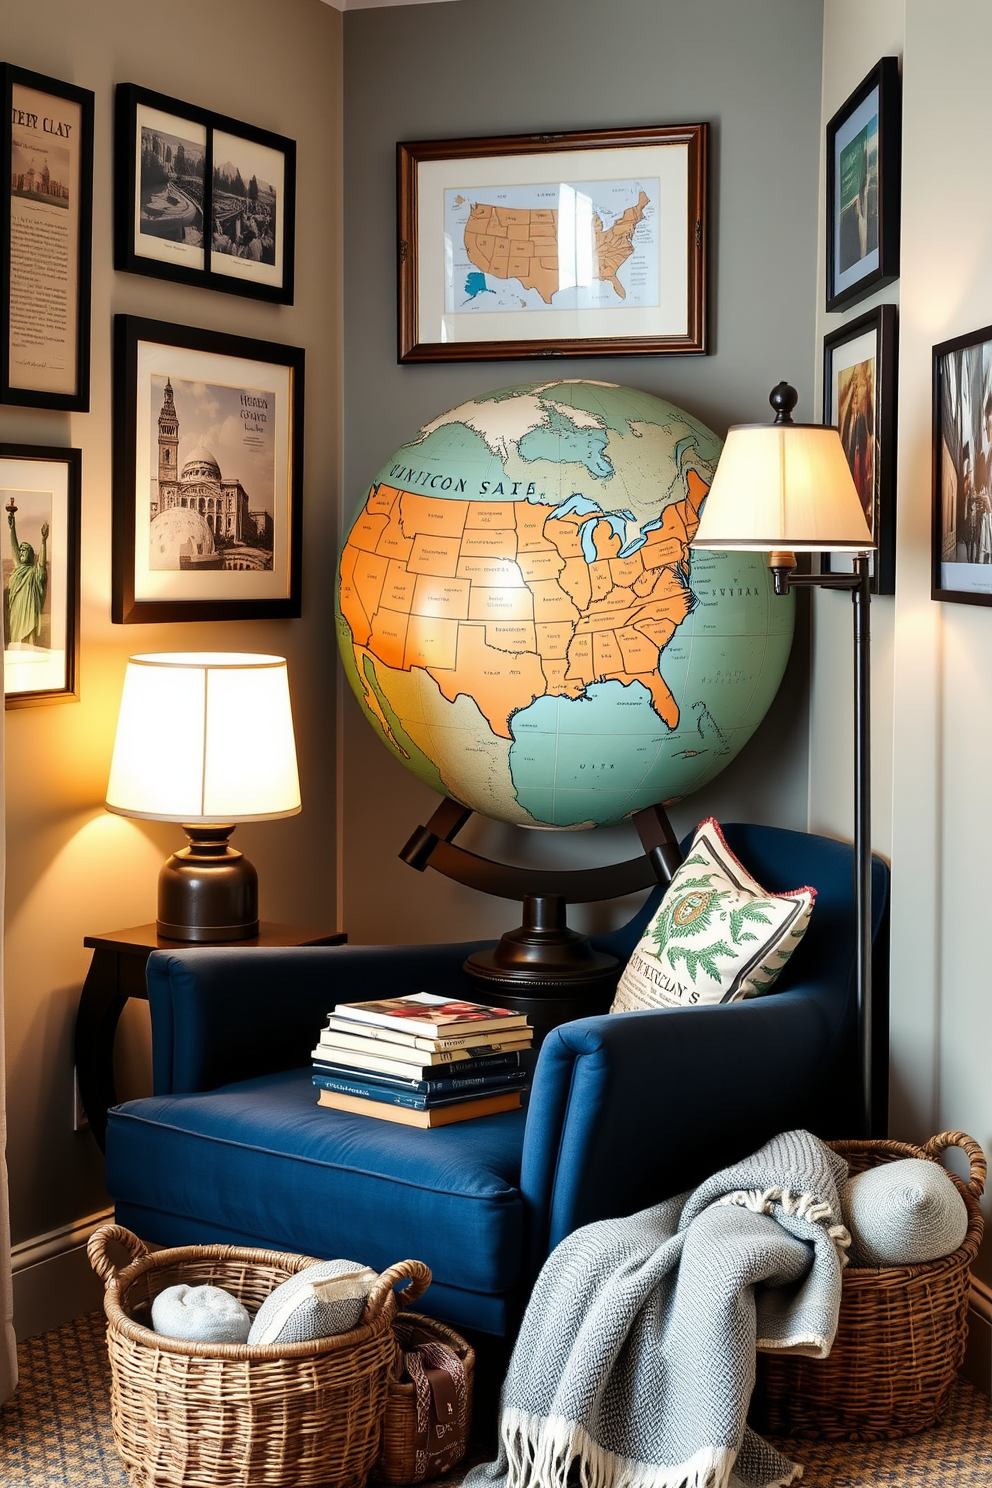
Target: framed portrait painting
203	199
46	242
586	244
859	400
208	475
864	153
39	492
961	544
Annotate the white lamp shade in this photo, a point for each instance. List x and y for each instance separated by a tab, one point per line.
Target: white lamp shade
205	737
783	487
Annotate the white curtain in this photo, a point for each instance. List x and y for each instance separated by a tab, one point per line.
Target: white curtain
8	1350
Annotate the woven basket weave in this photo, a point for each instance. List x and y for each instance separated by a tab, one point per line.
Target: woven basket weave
215	1415
901	1335
400	1438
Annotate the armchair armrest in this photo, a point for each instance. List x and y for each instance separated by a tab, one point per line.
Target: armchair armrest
629	1109
228	1013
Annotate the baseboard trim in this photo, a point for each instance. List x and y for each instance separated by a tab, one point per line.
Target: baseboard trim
53	1279
977	1366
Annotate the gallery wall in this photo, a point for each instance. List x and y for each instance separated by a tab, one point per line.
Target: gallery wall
933	661
513	67
73	869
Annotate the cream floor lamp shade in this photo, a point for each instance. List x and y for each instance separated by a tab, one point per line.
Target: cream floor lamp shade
205	739
783	487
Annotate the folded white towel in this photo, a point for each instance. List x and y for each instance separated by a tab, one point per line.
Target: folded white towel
203	1314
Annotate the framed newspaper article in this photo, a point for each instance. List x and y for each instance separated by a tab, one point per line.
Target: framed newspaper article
202	198
208	475
46	241
586	244
39	493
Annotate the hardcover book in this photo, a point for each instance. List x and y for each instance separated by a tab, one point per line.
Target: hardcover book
405	1037
437	1116
357	1043
415	1100
423	1012
425	1067
455	1077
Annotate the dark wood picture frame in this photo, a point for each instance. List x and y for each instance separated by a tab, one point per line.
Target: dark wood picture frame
862	406
244	564
961	533
190	202
47	135
864	164
661	310
29	677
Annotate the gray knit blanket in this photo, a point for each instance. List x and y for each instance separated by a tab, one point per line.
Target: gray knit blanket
635	1361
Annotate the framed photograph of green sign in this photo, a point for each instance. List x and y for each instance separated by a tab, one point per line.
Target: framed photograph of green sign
550	245
45	242
864	152
201	198
208	475
39	493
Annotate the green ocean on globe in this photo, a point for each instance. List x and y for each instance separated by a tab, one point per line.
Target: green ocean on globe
523	620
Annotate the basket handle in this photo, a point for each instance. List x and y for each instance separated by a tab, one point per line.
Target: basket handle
975	1155
418	1275
96	1249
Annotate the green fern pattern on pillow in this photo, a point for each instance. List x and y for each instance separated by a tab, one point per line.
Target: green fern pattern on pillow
717	935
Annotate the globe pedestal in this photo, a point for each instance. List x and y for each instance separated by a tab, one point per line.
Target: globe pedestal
543	968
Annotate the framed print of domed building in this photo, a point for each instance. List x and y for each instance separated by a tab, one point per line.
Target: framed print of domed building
208	439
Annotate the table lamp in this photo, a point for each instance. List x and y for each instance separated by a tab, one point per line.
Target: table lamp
786	488
205	739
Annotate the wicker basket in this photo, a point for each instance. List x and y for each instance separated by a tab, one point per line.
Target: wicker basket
209	1415
403	1458
900	1338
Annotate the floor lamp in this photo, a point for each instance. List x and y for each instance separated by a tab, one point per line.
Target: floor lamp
786	488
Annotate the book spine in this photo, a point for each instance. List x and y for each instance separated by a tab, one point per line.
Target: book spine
507	1064
408	1098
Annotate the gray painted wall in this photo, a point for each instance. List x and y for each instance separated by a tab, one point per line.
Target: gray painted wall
521	66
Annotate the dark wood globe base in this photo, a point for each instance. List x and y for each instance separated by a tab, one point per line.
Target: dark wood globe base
543	968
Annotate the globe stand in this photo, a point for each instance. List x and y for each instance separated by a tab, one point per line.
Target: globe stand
543	968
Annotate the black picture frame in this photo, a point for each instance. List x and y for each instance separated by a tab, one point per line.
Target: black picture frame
46	241
864	155
216	557
860	362
44	486
653	181
961	533
161	214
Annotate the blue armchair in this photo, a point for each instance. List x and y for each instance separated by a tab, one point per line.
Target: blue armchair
624	1110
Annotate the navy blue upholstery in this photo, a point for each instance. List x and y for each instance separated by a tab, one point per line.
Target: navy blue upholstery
623	1111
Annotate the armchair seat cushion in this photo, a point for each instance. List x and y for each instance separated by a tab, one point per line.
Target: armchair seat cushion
261	1162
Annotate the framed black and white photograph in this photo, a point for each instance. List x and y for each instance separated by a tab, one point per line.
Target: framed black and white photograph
203	199
859	400
46	242
208	475
39	493
962	469
582	244
864	150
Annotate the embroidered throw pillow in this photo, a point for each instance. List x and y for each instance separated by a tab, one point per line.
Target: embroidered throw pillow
717	936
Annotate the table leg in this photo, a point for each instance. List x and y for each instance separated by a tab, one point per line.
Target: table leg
101	1003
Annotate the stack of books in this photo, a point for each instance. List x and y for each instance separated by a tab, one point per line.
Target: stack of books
422	1060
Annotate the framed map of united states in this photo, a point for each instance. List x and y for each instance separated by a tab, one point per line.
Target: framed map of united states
553	245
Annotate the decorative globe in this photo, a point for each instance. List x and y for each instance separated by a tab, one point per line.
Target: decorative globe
523	620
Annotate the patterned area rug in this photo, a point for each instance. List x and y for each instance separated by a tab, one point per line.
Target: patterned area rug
55	1432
